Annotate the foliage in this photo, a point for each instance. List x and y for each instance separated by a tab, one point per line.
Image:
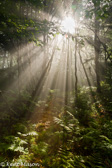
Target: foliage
100	7
79	135
16	27
67	142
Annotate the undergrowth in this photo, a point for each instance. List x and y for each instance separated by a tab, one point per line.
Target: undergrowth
79	137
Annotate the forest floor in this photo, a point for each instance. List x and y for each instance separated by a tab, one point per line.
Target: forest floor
54	135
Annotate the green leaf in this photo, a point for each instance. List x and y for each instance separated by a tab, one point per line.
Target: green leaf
33	133
104	137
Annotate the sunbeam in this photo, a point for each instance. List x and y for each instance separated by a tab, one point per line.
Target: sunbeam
55	83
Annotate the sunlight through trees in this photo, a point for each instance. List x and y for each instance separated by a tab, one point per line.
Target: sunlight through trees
56	83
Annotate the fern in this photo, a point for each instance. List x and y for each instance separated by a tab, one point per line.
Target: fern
18	145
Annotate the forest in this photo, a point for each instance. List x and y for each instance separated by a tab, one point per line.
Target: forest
56	83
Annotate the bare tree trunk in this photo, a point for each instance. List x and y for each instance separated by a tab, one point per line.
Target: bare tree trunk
31	12
44	48
67	74
19	66
89	83
4	59
97	51
11	59
76	78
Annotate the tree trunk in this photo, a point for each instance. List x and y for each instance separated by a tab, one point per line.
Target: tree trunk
4	59
97	51
76	79
67	75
